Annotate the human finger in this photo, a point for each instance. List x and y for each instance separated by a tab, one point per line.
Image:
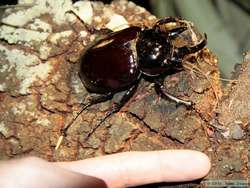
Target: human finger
34	172
138	168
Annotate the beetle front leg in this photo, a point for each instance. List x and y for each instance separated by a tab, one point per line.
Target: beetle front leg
174	33
181	52
167	96
167	20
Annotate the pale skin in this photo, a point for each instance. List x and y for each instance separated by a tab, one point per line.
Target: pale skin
112	171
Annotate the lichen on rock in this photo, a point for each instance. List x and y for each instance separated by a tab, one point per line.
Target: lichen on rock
19	70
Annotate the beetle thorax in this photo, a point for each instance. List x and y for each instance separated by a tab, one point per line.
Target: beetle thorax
153	51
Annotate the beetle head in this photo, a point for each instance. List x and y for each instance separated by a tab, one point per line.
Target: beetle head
162	48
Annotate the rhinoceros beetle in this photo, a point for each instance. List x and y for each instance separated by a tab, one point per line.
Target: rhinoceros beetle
121	59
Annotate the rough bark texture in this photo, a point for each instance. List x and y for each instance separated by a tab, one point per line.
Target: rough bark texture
40	92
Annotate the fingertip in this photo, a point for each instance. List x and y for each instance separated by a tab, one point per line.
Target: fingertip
202	162
198	162
184	165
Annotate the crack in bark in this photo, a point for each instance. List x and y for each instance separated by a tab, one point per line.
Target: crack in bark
144	123
9	137
173	139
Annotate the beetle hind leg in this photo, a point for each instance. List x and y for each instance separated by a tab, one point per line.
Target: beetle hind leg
95	100
115	108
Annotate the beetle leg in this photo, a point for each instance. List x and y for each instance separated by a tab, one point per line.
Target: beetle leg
181	52
89	28
95	100
167	20
159	90
173	33
116	107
